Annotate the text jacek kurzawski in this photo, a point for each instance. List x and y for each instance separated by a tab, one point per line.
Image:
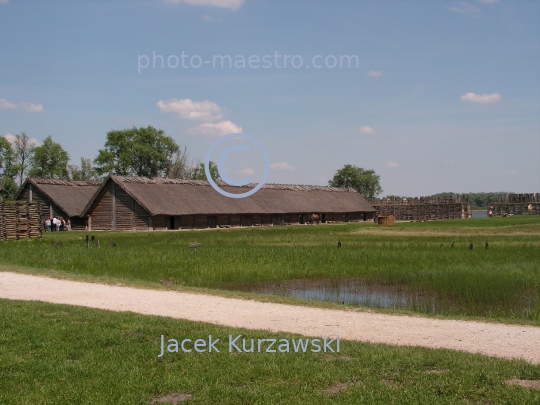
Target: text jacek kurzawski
237	344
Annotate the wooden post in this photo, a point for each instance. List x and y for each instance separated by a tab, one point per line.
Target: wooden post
30	192
114	206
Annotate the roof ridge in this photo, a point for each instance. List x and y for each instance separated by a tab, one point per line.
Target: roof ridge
63	182
267	186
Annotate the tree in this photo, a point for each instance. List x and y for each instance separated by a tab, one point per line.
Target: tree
49	161
84	172
199	172
137	151
23	149
178	166
366	182
8	187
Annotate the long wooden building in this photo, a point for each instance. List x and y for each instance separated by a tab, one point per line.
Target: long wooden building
60	198
139	203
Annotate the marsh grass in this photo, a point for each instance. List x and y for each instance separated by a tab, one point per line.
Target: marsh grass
59	354
502	281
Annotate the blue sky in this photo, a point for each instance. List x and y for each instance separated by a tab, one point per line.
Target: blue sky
438	96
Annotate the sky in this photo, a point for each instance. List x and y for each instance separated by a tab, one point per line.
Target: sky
435	96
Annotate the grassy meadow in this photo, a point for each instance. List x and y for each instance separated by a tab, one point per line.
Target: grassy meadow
501	282
59	354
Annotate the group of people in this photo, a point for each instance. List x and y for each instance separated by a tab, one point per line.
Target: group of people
56	224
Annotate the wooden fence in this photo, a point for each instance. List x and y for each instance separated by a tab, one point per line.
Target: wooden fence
19	220
424	208
515	204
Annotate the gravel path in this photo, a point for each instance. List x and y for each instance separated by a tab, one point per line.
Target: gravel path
499	340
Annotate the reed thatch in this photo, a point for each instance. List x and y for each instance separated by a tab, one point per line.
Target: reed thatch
69	196
177	197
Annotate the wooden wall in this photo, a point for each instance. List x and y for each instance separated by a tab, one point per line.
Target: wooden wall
515	204
423	212
101	217
19	220
116	210
514	209
47	207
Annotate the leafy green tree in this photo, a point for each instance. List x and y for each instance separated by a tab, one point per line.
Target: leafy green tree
141	151
199	172
83	172
366	182
8	187
49	161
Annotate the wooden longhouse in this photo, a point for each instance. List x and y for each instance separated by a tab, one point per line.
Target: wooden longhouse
60	198
139	203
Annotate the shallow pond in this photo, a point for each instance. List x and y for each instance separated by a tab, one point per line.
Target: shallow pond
359	292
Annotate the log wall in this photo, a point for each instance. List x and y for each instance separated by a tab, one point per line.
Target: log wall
424	208
116	210
515	204
20	220
47	207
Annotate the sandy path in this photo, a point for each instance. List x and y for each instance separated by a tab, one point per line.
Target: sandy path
508	341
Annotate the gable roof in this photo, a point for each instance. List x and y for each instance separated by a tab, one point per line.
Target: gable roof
161	196
70	196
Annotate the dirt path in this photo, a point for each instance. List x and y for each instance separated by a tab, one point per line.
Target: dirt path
508	341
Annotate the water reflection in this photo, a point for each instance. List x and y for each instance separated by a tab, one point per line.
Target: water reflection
360	292
479	214
346	291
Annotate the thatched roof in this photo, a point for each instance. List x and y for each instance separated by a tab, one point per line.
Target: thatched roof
189	197
70	196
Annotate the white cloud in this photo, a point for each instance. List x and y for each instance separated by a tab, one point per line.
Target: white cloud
206	17
249	172
22	105
4	1
31	107
281	166
448	162
512	172
215	130
232	4
481	98
374	73
489	1
392	165
7	105
11	139
466	8
367	130
192	110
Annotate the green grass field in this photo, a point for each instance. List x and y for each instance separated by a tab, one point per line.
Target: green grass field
58	354
502	282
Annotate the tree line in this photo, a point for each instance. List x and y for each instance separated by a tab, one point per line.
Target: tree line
146	152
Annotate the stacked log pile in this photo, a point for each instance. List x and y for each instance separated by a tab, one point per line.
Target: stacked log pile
19	220
515	204
424	208
2	222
